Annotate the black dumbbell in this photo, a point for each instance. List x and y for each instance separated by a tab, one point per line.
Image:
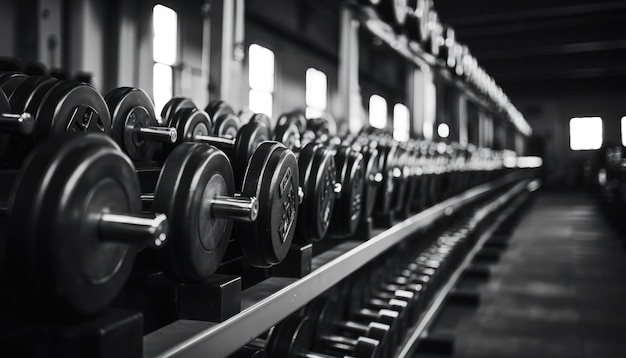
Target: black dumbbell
225	122
57	107
294	337
195	125
196	187
74	224
318	181
11	123
134	125
10	80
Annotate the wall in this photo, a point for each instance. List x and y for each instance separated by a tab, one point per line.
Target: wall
549	117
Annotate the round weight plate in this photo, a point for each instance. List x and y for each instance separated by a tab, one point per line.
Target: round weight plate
10	83
248	139
131	109
226	125
319	126
192	175
385	190
174	105
347	210
190	123
401	162
372	170
296	118
264	120
72	106
54	250
287	134
317	178
26	91
271	177
218	108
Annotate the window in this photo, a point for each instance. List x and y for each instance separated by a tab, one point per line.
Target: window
401	122
164	54
585	133
316	92
623	125
378	111
261	79
443	130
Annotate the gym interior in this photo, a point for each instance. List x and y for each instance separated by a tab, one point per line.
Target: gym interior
357	178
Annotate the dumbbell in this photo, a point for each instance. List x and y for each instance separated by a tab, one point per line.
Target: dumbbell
134	125
196	188
318	174
328	316
74	224
294	338
57	107
225	122
195	125
373	174
10	80
11	123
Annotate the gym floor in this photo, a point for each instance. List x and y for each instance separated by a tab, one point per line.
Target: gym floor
558	289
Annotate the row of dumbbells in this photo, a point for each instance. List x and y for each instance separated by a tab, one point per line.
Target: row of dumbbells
419	20
369	313
192	201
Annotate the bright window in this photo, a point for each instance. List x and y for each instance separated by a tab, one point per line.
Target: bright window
164	53
316	92
378	111
261	79
443	130
401	122
585	133
623	125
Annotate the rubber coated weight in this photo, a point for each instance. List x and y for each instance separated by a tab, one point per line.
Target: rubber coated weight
348	208
10	83
218	108
174	105
263	119
226	125
297	118
373	179
54	253
192	175
288	134
317	179
385	190
271	177
248	139
189	123
131	109
72	106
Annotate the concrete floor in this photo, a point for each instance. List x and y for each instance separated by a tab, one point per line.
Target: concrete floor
559	289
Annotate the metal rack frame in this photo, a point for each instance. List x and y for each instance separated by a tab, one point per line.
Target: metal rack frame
270	301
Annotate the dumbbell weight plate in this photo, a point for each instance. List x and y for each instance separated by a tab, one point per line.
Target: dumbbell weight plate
348	208
72	106
317	178
191	176
385	191
372	169
226	125
173	106
53	248
271	177
189	123
249	137
263	119
297	118
218	108
11	82
132	108
287	134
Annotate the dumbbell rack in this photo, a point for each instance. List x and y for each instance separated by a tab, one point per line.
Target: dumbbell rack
268	302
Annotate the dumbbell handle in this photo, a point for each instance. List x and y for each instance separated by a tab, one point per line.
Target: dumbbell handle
157	134
227	207
142	231
214	140
17	123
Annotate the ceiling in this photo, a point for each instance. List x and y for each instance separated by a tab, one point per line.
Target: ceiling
544	46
